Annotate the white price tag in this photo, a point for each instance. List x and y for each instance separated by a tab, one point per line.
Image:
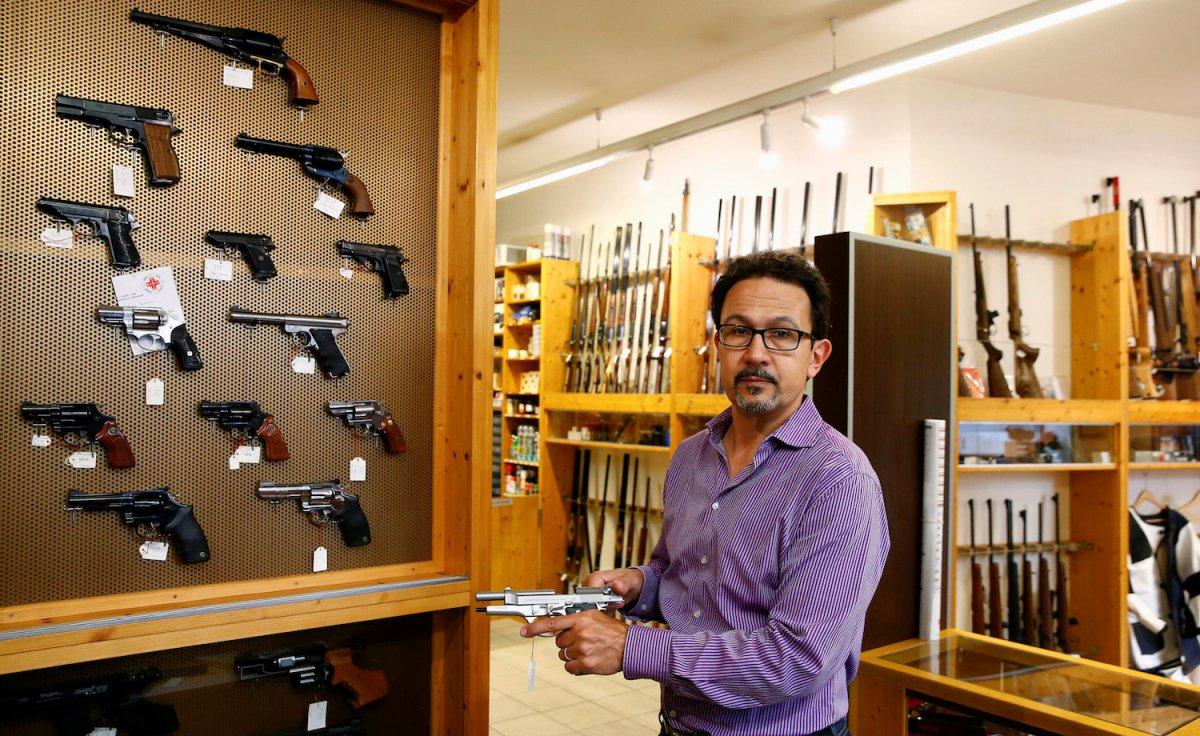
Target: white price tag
327	205
316	715
102	731
122	180
216	269
248	454
358	469
233	462
40	440
235	76
154	392
156	551
320	559
58	238
347	273
85	459
304	364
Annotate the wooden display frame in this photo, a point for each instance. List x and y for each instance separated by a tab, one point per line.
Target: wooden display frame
54	633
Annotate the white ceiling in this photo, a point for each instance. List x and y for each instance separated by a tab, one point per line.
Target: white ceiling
561	59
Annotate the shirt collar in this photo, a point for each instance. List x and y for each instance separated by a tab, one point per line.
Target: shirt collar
799	430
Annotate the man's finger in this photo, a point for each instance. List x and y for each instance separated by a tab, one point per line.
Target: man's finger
574	667
547	624
566	638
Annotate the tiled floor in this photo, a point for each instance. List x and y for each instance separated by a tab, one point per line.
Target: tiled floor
562	703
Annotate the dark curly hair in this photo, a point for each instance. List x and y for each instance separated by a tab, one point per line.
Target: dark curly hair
787	267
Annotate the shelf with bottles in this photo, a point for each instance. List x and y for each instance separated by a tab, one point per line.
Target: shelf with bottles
1164	446
625	432
524	346
521	407
1035	446
520	478
523	445
522	288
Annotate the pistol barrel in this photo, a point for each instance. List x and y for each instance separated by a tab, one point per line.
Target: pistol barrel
243	316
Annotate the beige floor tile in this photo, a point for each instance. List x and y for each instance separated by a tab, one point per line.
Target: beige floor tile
594	687
515	656
547	698
494	732
630	703
582	715
553	673
624	727
504	708
508	680
537	724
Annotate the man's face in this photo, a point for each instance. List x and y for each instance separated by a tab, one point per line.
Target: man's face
758	380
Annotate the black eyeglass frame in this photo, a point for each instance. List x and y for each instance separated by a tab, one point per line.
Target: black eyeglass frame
763	334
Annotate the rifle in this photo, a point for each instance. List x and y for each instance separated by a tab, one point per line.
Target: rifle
1164	327
685	210
662	336
804	215
1062	615
628	558
68	706
571	356
637	328
757	223
639	557
1029	621
978	625
571	569
837	203
619	553
1185	316
771	226
984	319
1027	383
1045	607
581	513
1014	584
995	614
629	285
1141	374
603	515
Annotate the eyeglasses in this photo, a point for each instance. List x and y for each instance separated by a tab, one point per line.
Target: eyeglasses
779	339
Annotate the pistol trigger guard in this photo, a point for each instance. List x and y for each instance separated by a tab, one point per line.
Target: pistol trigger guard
146	530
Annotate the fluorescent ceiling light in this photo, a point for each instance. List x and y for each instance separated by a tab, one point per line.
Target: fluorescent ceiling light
553	176
973	44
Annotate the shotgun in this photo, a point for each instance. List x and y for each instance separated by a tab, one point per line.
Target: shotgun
1185	316
1029	611
978	625
1024	355
995	613
1141	373
600	518
619	552
984	319
628	558
1063	613
1045	607
639	557
1014	582
571	569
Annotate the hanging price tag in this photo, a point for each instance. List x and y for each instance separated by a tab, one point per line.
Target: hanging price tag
248	454
156	551
320	559
358	469
347	273
86	459
327	205
235	76
304	364
102	731
316	715
216	269
122	180
40	440
154	392
233	462
58	237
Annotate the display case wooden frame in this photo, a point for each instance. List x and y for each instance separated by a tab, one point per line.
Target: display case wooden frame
61	632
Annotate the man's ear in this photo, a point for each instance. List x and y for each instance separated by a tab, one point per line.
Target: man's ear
821	351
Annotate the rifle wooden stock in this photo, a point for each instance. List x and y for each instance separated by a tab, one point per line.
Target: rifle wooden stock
1062	614
1012	573
1024	355
1141	379
1045	615
978	623
997	386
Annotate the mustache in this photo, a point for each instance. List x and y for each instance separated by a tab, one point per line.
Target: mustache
755	371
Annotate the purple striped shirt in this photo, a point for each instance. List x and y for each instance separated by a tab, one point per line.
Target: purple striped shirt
764	580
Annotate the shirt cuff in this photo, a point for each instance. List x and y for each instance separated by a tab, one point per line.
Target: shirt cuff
647	653
645	608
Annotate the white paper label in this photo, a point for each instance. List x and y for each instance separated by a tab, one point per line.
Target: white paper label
102	731
218	270
358	469
233	462
85	459
304	364
347	273
316	715
40	440
235	76
327	205
248	454
58	238
122	180
154	392
320	559
156	551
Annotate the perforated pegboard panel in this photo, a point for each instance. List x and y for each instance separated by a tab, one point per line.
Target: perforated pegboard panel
202	684
375	66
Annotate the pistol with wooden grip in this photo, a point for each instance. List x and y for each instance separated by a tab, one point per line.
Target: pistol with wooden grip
147	128
326	165
368	416
84	422
247	420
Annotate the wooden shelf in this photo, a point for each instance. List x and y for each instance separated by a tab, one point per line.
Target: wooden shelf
1163	412
521	325
1036	467
608	403
533	359
519	302
526	463
525	267
1067	249
1041	411
534	417
618	446
1164	466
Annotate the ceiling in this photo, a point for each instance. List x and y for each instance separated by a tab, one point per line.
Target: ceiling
562	59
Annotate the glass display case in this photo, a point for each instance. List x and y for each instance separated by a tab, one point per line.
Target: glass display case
983	443
1168	444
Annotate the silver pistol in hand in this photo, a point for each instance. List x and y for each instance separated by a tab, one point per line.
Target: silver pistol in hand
534	604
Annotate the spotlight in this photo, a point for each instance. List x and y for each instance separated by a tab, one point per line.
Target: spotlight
808	119
647	182
769	159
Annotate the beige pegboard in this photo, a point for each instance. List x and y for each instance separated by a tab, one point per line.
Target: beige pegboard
376	68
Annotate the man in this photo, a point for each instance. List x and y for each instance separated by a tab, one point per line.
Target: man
774	537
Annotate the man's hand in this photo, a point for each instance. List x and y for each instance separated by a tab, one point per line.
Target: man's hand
626	582
590	642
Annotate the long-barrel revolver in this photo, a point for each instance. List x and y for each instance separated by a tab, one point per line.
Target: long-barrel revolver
387	260
147	128
534	604
156	329
366	416
253	47
113	225
315	334
247	419
151	512
319	162
324	502
255	250
84	422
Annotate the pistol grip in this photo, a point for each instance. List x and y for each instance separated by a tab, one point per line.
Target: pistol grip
362	686
353	522
160	155
393	438
272	437
184	347
122	253
394	281
300	84
360	201
120	455
328	355
259	260
193	545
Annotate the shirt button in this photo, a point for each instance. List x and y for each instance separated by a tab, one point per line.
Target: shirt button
716	505
704	560
696	613
673	714
645	606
